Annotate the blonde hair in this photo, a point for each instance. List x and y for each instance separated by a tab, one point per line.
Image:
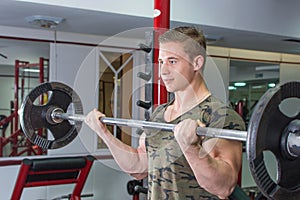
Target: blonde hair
193	39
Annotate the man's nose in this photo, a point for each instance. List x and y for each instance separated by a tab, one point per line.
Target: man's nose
164	69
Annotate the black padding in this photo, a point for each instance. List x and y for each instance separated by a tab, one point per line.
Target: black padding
62	163
52	176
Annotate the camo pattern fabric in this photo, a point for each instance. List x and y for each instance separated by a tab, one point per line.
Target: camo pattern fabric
170	176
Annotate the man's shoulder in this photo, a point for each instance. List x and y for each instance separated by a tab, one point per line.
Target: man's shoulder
158	110
213	101
221	115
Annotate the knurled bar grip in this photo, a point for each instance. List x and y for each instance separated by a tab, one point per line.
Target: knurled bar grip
200	131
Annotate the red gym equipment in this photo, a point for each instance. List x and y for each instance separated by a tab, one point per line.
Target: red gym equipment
53	171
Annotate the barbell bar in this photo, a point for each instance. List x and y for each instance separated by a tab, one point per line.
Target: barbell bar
292	142
200	131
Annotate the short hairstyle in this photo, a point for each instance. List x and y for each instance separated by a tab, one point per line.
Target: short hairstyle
193	39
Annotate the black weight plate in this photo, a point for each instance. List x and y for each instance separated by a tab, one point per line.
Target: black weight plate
33	117
265	133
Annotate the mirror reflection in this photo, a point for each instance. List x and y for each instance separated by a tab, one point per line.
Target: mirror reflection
23	66
248	82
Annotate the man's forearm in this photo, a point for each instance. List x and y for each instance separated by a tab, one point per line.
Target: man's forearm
129	159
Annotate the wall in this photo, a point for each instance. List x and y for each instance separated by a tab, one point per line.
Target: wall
216	72
288	70
239	14
250	74
75	66
7	82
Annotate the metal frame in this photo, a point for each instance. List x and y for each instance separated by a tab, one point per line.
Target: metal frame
37	172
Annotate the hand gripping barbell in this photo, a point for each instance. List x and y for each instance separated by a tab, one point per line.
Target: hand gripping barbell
269	130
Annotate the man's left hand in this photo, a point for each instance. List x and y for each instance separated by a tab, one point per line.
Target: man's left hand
185	133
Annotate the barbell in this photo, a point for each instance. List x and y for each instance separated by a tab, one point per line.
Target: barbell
269	130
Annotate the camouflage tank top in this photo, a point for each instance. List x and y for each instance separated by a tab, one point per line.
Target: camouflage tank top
169	174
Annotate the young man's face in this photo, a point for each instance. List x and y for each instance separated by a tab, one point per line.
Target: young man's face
176	69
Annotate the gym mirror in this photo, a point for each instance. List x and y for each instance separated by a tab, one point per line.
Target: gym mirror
28	57
249	80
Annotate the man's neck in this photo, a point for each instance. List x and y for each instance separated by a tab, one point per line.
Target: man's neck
189	98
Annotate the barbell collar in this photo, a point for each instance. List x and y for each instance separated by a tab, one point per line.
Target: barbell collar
65	116
293	144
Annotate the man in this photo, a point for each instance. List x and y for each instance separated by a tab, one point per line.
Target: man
181	165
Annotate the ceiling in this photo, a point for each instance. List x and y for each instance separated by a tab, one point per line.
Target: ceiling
13	13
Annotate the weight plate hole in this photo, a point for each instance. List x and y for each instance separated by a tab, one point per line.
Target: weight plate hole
42	98
290	107
271	165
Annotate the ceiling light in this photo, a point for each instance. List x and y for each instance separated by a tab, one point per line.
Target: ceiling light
258	86
239	84
231	88
31	70
267	68
44	21
271	85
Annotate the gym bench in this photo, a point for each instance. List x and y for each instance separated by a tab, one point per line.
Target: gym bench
53	171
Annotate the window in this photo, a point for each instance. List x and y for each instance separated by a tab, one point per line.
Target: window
115	89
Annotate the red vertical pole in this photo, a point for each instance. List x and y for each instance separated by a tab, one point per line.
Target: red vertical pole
1	146
82	179
16	101
239	110
42	99
21	180
41	78
15	121
22	87
161	23
41	67
135	197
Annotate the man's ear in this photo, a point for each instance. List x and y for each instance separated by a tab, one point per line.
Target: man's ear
198	62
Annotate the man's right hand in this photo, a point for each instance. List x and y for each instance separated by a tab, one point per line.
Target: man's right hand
93	121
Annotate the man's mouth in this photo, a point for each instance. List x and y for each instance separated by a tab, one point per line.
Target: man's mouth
167	80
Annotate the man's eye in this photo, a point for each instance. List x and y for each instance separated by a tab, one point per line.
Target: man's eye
172	61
